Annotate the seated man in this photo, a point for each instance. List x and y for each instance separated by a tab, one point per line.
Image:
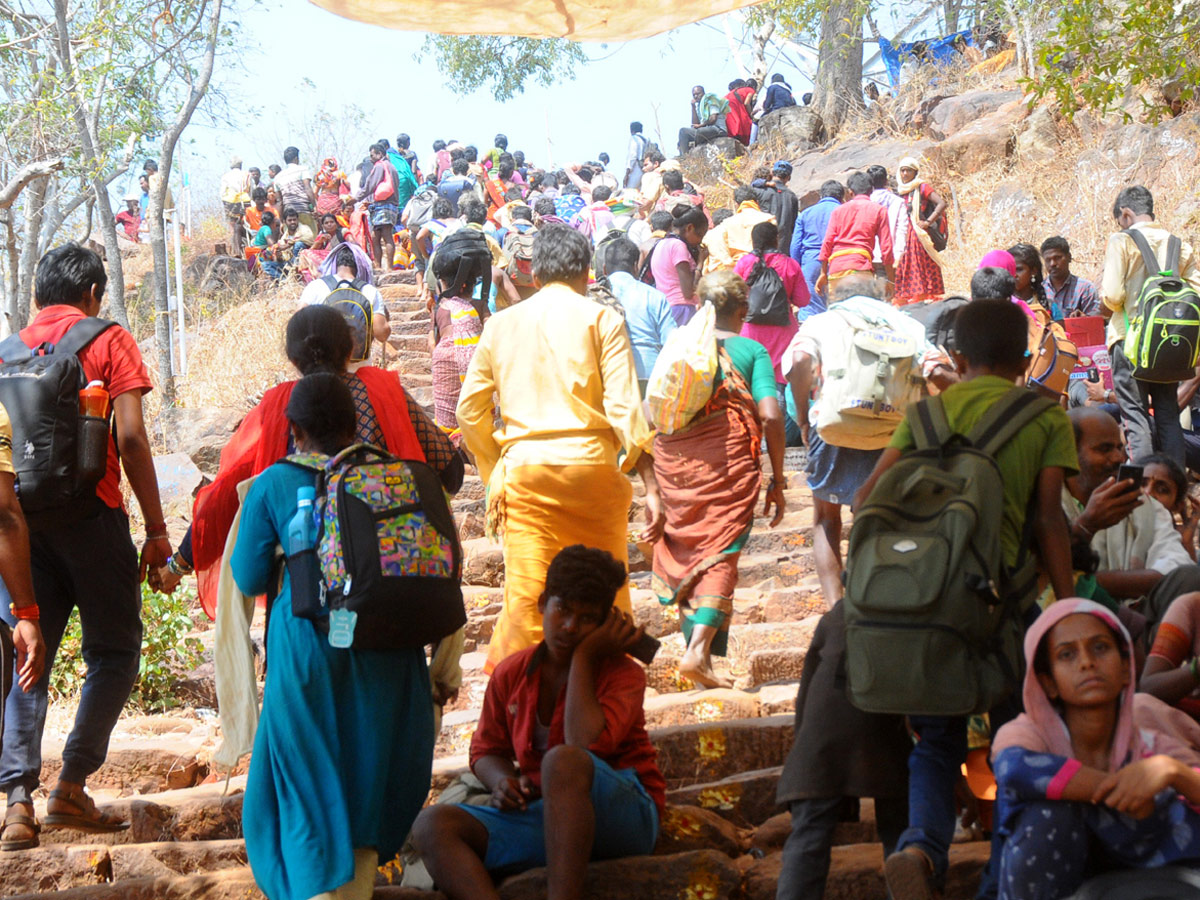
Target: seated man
562	745
1141	555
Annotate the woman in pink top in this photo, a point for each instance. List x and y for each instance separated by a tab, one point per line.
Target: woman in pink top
775	337
672	264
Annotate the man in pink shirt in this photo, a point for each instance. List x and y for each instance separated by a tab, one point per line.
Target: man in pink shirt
854	228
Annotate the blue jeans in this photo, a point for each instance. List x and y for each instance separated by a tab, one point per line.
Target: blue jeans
790	429
811	270
92	566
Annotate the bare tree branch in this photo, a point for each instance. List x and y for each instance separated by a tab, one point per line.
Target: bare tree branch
28	173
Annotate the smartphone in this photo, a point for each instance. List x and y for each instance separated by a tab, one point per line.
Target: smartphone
645	649
1093	374
1127	472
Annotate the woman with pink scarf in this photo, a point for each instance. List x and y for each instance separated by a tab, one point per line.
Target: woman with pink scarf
1080	786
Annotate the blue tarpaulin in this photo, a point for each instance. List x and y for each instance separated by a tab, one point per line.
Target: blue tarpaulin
937	50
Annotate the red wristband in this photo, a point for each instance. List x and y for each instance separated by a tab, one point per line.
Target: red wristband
30	613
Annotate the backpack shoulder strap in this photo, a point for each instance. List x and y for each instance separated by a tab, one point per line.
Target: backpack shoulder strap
1008	416
12	348
928	423
81	334
1174	252
1148	258
331	281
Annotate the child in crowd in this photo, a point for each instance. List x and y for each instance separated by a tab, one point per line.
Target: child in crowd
1081	787
990	355
562	746
1164	480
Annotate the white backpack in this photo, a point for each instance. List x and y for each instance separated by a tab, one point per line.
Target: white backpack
869	380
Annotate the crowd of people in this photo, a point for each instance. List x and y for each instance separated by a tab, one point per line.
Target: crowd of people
560	302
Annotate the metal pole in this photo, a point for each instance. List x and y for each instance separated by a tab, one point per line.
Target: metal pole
170	299
179	319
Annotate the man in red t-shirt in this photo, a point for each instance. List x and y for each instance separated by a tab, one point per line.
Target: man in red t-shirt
854	228
561	744
90	564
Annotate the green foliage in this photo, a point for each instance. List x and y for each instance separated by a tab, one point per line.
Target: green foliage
167	650
504	65
1100	50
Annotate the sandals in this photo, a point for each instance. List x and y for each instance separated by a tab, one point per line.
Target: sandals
89	819
25	844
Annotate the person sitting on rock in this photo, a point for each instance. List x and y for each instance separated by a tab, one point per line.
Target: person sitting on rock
708	120
562	746
778	96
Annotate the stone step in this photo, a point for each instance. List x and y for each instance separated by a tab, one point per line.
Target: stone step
144	764
856	873
417	343
746	799
409	326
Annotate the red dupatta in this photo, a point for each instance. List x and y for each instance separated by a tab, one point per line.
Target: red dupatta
262	440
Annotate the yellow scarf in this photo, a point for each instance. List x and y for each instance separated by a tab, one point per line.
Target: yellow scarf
748	204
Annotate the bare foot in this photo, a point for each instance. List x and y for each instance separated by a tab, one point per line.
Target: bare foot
697	668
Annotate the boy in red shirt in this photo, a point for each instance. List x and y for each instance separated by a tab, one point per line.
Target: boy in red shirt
854	229
561	744
89	563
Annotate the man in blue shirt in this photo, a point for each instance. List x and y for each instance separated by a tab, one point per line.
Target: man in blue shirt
807	239
458	183
648	318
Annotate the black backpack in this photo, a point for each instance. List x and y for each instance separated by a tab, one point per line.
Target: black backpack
768	297
348	299
476	255
938	318
39	388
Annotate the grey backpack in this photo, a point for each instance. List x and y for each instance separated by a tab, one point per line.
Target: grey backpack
934	617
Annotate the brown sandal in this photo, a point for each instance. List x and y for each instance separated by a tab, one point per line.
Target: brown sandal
89	819
25	844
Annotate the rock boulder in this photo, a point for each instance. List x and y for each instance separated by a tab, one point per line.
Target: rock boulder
200	433
799	128
952	114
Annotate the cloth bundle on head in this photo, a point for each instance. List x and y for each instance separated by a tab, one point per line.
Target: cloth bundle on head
362	262
999	259
909	162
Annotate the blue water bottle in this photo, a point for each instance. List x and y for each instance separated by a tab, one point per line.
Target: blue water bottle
304	571
302	529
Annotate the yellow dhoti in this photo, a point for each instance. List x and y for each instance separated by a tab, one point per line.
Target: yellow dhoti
547	508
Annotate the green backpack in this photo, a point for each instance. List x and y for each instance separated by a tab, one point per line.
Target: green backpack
934	618
1162	339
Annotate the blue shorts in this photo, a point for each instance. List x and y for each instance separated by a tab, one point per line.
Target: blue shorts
626	823
836	473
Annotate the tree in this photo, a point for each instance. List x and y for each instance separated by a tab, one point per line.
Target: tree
1101	51
192	62
502	64
838	86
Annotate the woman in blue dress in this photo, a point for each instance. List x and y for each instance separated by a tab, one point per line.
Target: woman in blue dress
344	748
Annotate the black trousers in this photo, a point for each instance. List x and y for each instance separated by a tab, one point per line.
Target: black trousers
1145	433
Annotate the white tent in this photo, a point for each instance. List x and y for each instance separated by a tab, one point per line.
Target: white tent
578	20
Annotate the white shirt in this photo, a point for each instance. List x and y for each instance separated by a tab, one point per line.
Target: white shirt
897	213
317	290
1144	539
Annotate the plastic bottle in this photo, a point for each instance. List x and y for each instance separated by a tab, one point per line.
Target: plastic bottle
93	432
302	529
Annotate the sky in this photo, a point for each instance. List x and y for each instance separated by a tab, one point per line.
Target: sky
648	80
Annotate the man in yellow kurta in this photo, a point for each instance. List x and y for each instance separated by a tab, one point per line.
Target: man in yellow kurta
561	369
730	241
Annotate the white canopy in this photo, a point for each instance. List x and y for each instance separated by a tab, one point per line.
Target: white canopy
578	20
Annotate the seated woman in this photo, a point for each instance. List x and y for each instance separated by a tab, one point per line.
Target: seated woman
258	254
1165	481
344	747
318	340
330	235
1081	788
1172	672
